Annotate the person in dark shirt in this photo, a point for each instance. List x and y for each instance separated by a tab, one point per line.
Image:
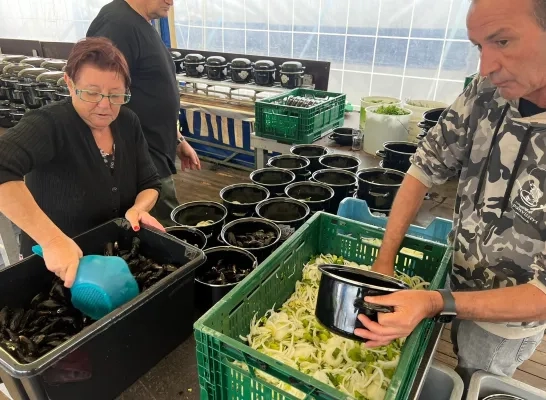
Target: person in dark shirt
154	88
72	165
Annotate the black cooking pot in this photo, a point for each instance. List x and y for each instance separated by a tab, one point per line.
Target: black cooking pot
194	65
343	136
27	86
264	73
312	152
178	59
217	68
341	295
292	74
241	70
192	213
273	179
378	186
344	184
316	195
62	89
208	294
297	164
241	199
34	61
340	161
396	155
54	65
191	236
5	117
13	58
288	214
430	119
252	225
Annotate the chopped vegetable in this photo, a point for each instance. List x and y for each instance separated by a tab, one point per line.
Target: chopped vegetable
293	336
391	110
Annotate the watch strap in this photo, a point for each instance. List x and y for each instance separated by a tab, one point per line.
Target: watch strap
449	311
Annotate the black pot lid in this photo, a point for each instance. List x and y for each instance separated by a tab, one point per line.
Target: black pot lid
292	66
216	61
34	61
14	69
50	77
31	72
194	58
241	63
264	65
176	55
56	65
12	58
62	83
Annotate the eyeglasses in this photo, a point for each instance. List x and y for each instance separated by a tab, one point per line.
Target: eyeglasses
91	96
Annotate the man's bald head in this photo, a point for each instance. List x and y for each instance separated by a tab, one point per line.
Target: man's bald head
538	9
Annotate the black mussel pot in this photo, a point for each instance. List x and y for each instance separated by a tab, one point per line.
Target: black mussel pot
297	164
217	68
316	195
264	73
5	117
312	152
208	294
344	184
502	396
288	214
191	236
207	216
256	227
343	136
13	58
194	65
273	179
54	65
177	60
396	155
62	89
292	74
430	119
378	186
341	295
241	199
340	161
34	61
241	70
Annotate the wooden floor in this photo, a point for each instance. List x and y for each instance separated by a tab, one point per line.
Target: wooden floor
206	184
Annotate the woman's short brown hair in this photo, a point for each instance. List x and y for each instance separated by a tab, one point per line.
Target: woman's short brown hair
99	52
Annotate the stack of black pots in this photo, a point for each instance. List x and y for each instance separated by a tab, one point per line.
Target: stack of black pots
430	119
378	187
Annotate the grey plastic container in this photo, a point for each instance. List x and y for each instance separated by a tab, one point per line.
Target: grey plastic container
441	383
484	384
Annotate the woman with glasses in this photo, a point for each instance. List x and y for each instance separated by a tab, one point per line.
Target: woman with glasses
74	164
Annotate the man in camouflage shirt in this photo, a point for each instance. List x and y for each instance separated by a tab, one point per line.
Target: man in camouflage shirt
494	134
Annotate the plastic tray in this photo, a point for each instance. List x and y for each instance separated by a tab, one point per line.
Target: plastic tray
356	209
217	332
110	355
442	383
484	384
299	125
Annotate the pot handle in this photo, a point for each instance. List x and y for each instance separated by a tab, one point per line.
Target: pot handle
380	153
332	136
375	194
421	125
369	308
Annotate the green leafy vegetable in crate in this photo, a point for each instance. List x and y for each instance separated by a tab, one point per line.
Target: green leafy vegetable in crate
390	110
293	336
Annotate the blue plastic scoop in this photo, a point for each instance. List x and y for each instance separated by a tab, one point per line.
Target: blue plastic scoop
102	284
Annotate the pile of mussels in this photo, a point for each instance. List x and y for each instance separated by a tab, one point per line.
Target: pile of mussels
50	319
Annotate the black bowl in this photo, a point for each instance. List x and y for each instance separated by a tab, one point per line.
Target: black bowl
288	214
192	236
207	294
273	179
241	199
341	295
192	213
316	195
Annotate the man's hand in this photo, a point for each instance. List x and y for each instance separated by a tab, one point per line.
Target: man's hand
62	257
188	156
410	308
138	217
385	268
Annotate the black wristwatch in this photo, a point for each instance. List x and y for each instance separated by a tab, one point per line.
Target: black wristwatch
449	312
180	139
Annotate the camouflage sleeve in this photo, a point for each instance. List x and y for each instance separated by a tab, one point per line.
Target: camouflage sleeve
539	267
441	152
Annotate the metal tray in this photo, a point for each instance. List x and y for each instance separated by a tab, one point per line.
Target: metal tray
484	384
442	383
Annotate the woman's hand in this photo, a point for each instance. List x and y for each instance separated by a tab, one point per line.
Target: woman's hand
62	257
137	217
188	156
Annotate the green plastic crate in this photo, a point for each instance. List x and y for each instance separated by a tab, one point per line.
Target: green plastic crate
272	283
299	125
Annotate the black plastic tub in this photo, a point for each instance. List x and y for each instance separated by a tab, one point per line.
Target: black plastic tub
340	161
192	236
251	225
195	212
344	184
316	195
273	179
312	152
379	186
288	214
108	356
241	199
207	294
297	164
